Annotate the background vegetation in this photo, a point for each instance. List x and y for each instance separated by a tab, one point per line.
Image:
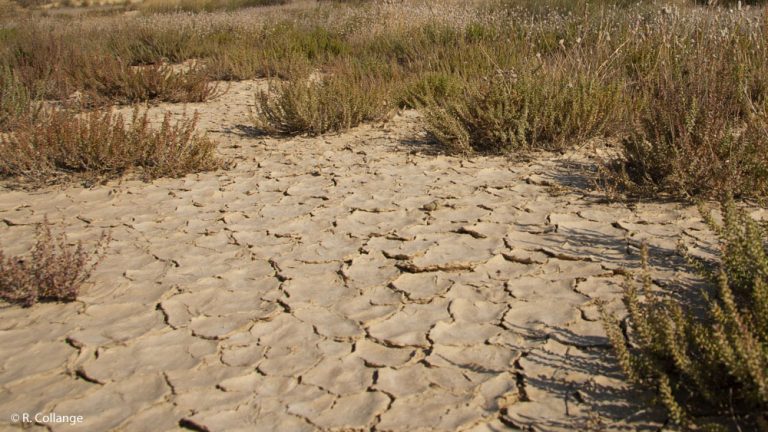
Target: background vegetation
679	89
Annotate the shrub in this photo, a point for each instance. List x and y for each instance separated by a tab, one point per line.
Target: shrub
712	366
55	65
42	60
320	104
431	87
141	45
545	110
54	271
246	60
15	100
98	144
108	80
698	123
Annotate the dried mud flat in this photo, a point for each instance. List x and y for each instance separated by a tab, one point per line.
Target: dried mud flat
347	282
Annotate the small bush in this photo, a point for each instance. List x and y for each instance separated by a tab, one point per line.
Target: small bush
710	368
243	61
15	100
698	123
506	113
99	144
431	88
54	271
320	104
112	81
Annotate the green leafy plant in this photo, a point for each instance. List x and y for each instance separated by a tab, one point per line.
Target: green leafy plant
710	368
511	112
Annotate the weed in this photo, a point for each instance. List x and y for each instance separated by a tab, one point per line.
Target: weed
55	270
320	104
99	144
15	101
710	366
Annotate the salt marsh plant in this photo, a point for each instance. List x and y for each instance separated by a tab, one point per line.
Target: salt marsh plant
54	270
101	145
709	370
511	113
15	100
318	104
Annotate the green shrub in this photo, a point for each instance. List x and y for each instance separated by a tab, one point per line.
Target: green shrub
15	101
509	112
711	368
698	123
430	87
100	145
318	104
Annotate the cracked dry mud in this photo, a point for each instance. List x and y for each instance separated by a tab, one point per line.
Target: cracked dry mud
344	282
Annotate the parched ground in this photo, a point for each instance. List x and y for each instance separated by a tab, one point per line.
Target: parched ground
348	282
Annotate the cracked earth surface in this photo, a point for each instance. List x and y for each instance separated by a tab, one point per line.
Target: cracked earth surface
345	282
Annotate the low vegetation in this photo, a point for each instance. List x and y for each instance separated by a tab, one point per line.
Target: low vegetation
698	119
164	6
708	369
680	89
320	104
508	114
100	145
55	270
15	100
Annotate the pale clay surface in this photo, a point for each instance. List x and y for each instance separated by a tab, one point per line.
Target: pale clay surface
347	282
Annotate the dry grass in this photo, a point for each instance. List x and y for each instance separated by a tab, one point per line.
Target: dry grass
100	145
55	270
165	6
